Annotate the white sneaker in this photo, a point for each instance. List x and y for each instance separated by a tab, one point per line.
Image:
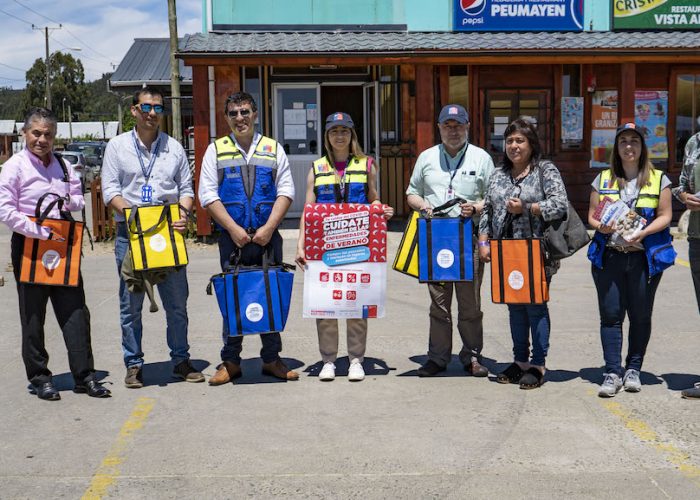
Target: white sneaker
610	386
327	372
631	381
356	372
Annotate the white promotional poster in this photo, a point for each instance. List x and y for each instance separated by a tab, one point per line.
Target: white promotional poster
345	247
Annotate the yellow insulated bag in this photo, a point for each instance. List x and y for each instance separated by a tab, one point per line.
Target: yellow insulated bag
406	260
153	241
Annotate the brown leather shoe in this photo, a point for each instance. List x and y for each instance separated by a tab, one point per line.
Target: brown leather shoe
476	369
225	373
280	370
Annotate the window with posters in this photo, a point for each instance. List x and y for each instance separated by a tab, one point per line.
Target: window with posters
603	126
687	110
651	115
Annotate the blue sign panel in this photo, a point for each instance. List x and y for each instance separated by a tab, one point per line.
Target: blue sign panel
518	15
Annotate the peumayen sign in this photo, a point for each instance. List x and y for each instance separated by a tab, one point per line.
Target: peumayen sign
518	15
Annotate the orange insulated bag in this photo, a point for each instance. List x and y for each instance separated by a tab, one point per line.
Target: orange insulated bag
51	262
517	271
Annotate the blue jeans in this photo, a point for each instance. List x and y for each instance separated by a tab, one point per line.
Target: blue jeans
173	293
694	258
249	255
524	320
624	288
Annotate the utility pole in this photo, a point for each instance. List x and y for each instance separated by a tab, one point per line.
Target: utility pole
174	72
48	70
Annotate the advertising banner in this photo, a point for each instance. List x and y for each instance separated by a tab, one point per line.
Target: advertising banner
518	15
656	15
651	115
603	126
345	247
571	119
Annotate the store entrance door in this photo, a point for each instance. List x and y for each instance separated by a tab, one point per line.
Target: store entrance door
298	127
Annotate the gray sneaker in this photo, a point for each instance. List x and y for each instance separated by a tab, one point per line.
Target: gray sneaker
692	393
631	381
610	386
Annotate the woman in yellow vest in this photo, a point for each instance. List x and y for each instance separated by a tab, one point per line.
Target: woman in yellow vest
628	262
344	175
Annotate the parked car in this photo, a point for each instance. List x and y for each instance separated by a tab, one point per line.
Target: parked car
77	162
93	151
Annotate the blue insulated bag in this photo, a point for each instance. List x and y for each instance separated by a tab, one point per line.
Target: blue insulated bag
445	249
254	299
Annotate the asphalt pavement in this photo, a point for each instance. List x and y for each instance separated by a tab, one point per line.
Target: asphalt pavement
393	435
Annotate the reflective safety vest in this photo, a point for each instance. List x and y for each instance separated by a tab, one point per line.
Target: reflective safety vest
247	189
327	182
658	247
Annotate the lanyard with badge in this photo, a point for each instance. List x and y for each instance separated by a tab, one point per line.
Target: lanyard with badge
450	188
146	189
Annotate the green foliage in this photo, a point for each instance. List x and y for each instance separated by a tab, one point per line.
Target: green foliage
67	77
11	104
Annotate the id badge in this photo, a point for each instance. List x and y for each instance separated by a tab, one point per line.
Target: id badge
450	194
146	194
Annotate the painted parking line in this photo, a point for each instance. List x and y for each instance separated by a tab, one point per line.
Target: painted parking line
648	436
110	468
682	262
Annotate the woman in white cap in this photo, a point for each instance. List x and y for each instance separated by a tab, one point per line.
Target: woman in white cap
344	175
627	264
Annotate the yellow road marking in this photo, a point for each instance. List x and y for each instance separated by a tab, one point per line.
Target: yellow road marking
682	262
109	470
646	434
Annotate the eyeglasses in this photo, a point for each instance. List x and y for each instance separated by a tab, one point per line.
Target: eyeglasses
147	108
235	112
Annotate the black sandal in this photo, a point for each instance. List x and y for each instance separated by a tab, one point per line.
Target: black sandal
510	375
532	379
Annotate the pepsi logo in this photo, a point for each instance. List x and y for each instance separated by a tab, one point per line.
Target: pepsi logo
472	7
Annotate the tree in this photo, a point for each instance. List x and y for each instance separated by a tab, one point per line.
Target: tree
67	81
11	104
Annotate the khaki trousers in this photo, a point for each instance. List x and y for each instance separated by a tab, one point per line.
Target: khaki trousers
469	318
328	339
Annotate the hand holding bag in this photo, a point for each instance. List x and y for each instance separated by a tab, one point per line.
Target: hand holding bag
254	299
52	262
153	241
517	268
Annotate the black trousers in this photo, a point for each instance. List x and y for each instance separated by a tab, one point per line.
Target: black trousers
73	317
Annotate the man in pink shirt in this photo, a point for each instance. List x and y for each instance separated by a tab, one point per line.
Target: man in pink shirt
24	179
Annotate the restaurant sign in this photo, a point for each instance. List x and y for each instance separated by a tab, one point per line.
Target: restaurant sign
518	15
656	14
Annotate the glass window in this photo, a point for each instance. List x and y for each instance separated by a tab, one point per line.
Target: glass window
571	80
389	91
687	110
297	120
251	84
459	86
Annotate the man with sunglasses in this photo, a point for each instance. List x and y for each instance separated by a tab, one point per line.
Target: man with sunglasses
141	167
246	186
453	169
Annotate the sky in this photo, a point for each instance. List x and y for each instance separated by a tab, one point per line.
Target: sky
103	30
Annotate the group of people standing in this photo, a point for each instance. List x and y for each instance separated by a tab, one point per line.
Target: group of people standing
246	186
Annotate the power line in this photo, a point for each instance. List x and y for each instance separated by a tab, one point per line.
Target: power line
37	13
12	67
18	18
86	45
82	56
12	79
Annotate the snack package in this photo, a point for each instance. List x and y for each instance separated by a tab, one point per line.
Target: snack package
602	206
626	221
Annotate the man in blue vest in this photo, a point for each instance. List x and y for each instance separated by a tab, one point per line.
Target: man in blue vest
246	186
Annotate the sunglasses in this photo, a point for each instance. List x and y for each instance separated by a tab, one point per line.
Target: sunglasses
243	112
147	108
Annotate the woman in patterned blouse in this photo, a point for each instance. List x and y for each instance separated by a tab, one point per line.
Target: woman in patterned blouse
524	187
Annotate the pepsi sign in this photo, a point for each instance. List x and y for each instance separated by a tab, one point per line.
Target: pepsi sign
518	15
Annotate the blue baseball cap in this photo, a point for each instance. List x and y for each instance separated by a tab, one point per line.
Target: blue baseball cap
339	119
632	127
453	112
